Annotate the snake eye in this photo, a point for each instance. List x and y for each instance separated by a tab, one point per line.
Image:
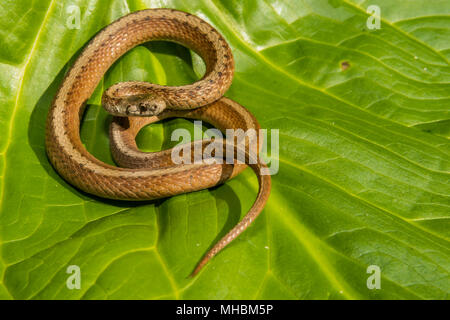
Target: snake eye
142	108
147	107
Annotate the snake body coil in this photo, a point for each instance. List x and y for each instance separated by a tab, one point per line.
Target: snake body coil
149	175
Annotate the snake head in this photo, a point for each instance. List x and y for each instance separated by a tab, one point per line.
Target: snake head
143	106
134	105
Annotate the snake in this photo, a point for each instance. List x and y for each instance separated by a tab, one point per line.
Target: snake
153	175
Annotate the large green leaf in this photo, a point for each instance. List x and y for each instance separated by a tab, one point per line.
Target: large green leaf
363	117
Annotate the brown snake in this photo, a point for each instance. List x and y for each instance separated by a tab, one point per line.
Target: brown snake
150	175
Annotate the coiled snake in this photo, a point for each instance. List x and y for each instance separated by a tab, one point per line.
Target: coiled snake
146	176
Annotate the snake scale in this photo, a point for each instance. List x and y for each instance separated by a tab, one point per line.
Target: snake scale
147	176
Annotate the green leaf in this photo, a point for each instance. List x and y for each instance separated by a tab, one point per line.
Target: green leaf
363	120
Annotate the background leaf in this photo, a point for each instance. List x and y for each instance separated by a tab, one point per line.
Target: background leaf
363	117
